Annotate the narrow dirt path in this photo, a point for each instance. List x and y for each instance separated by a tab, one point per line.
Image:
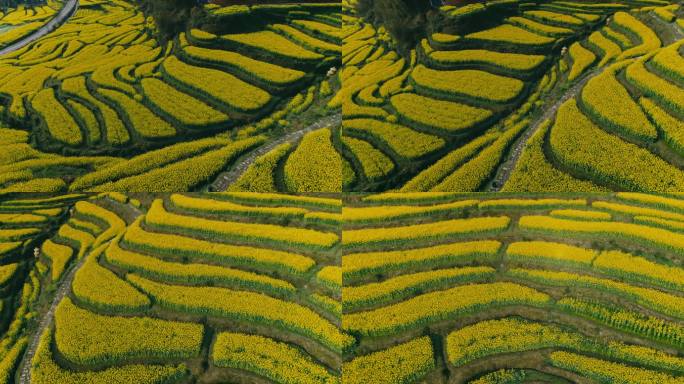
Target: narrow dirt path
62	290
46	321
676	30
225	179
62	16
507	166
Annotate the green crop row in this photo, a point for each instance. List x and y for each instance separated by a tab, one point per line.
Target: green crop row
588	150
192	273
84	337
218	85
607	101
176	246
315	166
478	85
269	358
403	363
246	306
402	140
184	108
440	305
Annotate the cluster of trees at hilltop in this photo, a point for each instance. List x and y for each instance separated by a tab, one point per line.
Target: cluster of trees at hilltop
171	16
5	4
408	21
257	2
405	20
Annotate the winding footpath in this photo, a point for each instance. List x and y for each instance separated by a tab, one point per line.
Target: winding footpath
46	321
225	179
676	30
62	16
673	27
506	168
62	290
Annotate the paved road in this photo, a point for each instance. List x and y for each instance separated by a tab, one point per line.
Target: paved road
225	179
62	16
506	168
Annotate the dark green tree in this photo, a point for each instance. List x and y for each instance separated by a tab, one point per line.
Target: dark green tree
171	16
405	20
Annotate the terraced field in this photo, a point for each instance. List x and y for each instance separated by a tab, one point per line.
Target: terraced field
17	23
250	98
504	288
25	226
514	96
388	288
191	288
100	105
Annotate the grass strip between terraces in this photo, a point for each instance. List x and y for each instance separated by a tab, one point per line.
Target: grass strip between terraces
177	246
158	217
403	363
421	232
246	306
199	274
266	357
440	305
84	337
